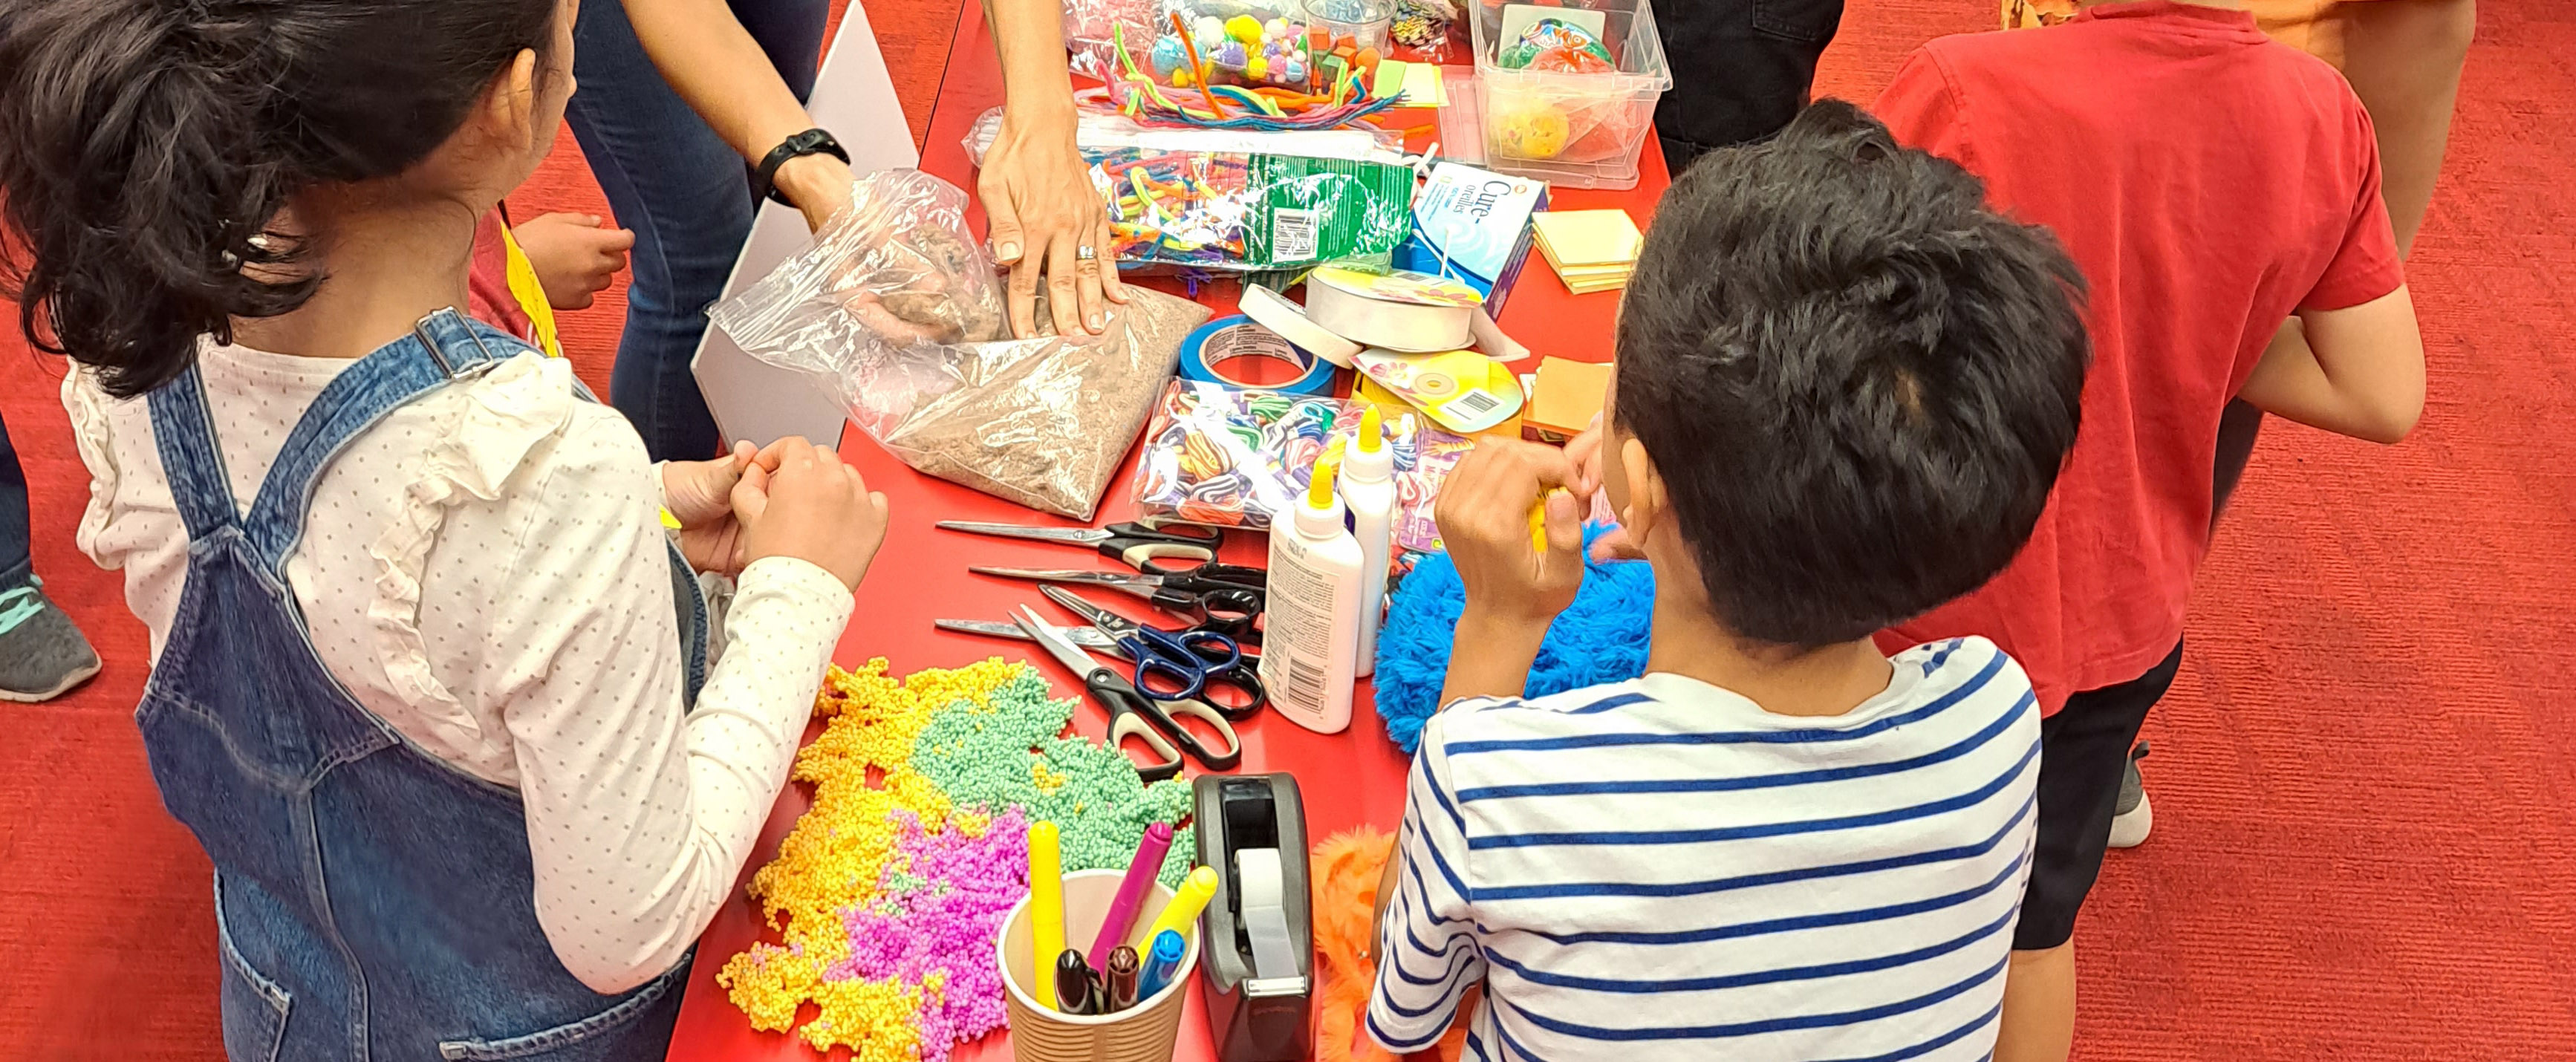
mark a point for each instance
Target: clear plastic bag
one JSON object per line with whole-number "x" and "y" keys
{"x": 1227, "y": 458}
{"x": 1262, "y": 43}
{"x": 897, "y": 310}
{"x": 1207, "y": 199}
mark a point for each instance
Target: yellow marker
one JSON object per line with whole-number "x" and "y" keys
{"x": 1046, "y": 910}
{"x": 1183, "y": 911}
{"x": 1538, "y": 521}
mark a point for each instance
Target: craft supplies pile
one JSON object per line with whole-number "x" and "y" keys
{"x": 968, "y": 862}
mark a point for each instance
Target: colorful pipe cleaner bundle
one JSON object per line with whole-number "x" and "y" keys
{"x": 890, "y": 891}
{"x": 1342, "y": 100}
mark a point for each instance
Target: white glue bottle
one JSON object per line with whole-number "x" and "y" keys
{"x": 1368, "y": 488}
{"x": 1312, "y": 639}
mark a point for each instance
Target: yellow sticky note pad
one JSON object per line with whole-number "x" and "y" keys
{"x": 1588, "y": 237}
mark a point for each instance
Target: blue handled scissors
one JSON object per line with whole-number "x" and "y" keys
{"x": 1194, "y": 663}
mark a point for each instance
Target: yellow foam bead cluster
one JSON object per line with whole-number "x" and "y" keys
{"x": 838, "y": 851}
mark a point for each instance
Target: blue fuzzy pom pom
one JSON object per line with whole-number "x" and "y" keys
{"x": 1167, "y": 56}
{"x": 1601, "y": 638}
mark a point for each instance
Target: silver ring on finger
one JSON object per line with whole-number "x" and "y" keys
{"x": 1084, "y": 253}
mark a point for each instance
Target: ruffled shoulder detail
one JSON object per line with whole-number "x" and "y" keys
{"x": 486, "y": 428}
{"x": 95, "y": 438}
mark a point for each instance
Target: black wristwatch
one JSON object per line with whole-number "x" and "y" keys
{"x": 809, "y": 142}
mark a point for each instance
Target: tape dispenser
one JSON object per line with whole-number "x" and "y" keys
{"x": 1258, "y": 935}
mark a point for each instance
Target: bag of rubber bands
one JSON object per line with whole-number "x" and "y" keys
{"x": 897, "y": 311}
{"x": 1239, "y": 201}
{"x": 1221, "y": 457}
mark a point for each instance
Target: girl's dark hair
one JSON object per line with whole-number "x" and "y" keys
{"x": 147, "y": 145}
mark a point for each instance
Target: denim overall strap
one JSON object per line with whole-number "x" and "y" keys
{"x": 183, "y": 430}
{"x": 442, "y": 347}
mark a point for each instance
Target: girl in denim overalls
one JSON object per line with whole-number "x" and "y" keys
{"x": 473, "y": 756}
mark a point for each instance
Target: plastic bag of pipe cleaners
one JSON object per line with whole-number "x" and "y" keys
{"x": 1204, "y": 199}
{"x": 897, "y": 311}
{"x": 1223, "y": 457}
{"x": 1261, "y": 43}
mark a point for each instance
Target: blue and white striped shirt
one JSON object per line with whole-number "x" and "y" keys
{"x": 1660, "y": 869}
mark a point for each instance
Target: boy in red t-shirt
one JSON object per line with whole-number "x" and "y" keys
{"x": 2211, "y": 183}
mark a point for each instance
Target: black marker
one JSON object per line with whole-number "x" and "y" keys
{"x": 1074, "y": 984}
{"x": 1121, "y": 977}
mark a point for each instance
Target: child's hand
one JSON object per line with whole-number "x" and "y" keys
{"x": 1584, "y": 451}
{"x": 699, "y": 494}
{"x": 1484, "y": 519}
{"x": 798, "y": 500}
{"x": 574, "y": 257}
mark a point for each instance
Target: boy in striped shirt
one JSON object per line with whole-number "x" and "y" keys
{"x": 1844, "y": 392}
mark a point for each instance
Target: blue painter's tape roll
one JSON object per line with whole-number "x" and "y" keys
{"x": 1227, "y": 338}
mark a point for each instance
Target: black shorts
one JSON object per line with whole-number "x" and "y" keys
{"x": 2083, "y": 751}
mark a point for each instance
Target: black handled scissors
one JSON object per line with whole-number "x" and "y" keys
{"x": 1134, "y": 545}
{"x": 1225, "y": 598}
{"x": 1131, "y": 713}
{"x": 1192, "y": 662}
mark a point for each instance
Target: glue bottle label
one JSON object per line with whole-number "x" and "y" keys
{"x": 1309, "y": 647}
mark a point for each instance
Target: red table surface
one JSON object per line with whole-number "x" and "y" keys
{"x": 1348, "y": 779}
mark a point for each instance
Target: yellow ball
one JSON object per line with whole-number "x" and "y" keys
{"x": 1181, "y": 78}
{"x": 1538, "y": 132}
{"x": 1257, "y": 69}
{"x": 1244, "y": 28}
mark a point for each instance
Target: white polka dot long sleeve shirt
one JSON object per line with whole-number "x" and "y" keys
{"x": 485, "y": 570}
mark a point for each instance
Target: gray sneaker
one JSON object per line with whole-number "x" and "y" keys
{"x": 2133, "y": 816}
{"x": 42, "y": 655}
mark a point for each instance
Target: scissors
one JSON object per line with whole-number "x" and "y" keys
{"x": 1242, "y": 677}
{"x": 1225, "y": 598}
{"x": 1131, "y": 713}
{"x": 1192, "y": 661}
{"x": 1134, "y": 545}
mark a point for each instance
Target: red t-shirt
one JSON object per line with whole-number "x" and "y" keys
{"x": 2209, "y": 182}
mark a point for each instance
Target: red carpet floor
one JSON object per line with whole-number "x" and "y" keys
{"x": 2363, "y": 847}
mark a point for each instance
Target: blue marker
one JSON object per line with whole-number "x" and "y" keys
{"x": 1159, "y": 968}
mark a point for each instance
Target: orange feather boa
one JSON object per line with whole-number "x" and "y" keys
{"x": 1344, "y": 875}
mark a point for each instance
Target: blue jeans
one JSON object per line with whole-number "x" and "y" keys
{"x": 685, "y": 193}
{"x": 15, "y": 565}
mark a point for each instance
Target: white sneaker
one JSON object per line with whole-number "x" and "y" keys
{"x": 2134, "y": 816}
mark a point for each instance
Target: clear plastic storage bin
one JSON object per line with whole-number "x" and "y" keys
{"x": 1572, "y": 130}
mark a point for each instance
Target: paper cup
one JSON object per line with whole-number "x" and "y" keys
{"x": 1141, "y": 1033}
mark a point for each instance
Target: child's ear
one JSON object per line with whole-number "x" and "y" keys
{"x": 510, "y": 106}
{"x": 1647, "y": 503}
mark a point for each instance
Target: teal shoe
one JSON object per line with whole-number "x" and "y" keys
{"x": 42, "y": 655}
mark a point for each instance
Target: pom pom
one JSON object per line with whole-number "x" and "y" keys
{"x": 1244, "y": 28}
{"x": 1601, "y": 638}
{"x": 1168, "y": 55}
{"x": 1209, "y": 29}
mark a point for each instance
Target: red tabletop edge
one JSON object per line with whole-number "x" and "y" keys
{"x": 1349, "y": 779}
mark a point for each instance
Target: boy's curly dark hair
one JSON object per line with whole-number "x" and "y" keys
{"x": 1857, "y": 381}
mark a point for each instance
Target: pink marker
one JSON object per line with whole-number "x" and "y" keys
{"x": 1131, "y": 891}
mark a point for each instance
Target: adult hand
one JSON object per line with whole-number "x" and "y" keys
{"x": 1043, "y": 213}
{"x": 1484, "y": 519}
{"x": 699, "y": 494}
{"x": 798, "y": 500}
{"x": 575, "y": 256}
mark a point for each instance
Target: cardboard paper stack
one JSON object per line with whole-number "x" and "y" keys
{"x": 1591, "y": 250}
